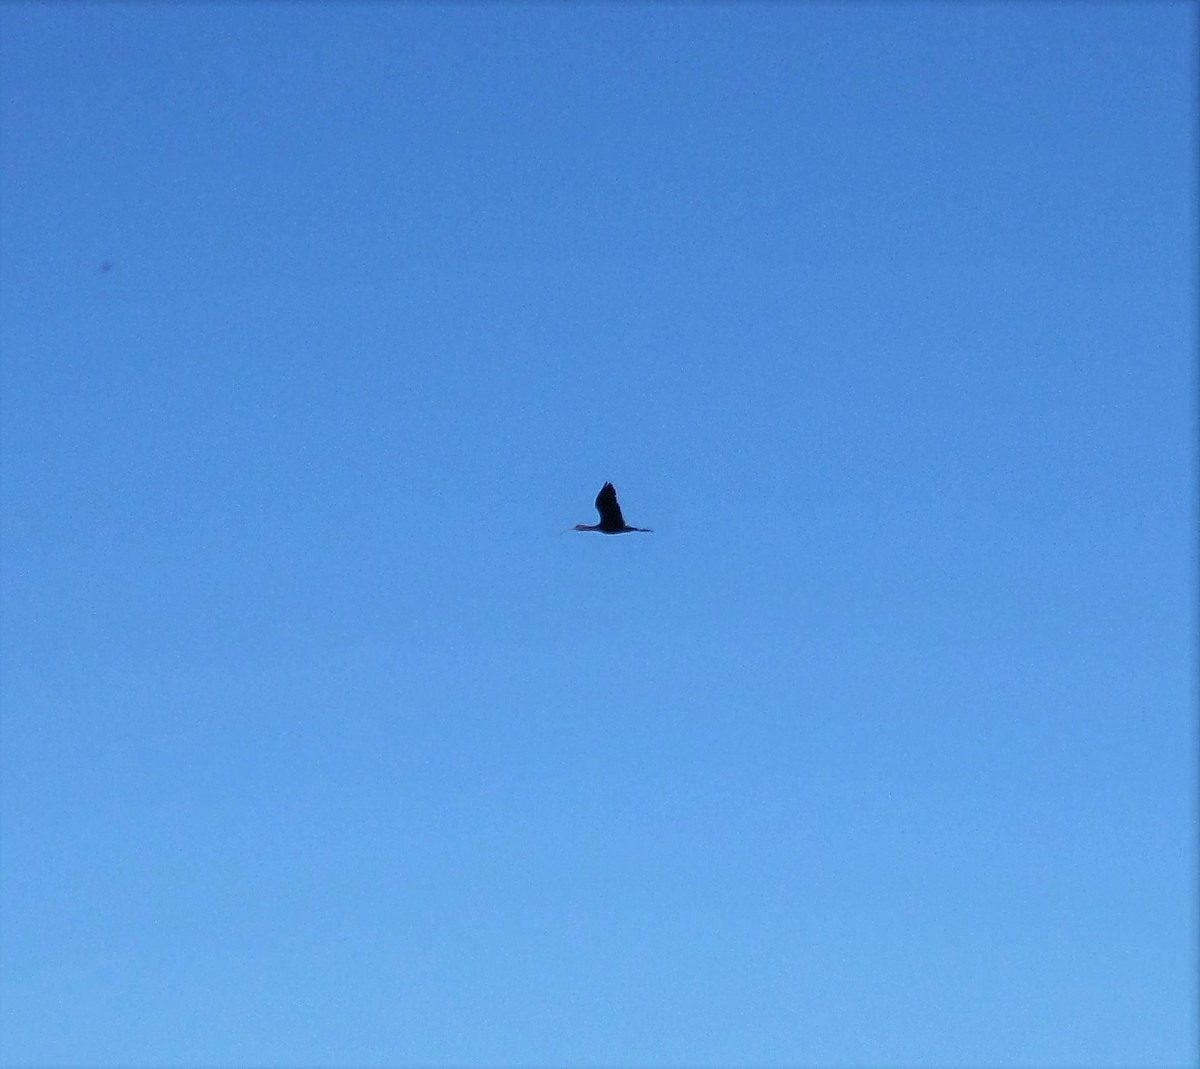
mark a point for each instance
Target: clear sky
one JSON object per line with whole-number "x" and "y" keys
{"x": 323, "y": 746}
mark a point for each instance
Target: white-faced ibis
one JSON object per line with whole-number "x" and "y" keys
{"x": 611, "y": 520}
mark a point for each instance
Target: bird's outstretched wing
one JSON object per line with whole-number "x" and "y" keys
{"x": 610, "y": 511}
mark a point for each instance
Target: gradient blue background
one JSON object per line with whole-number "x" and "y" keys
{"x": 322, "y": 746}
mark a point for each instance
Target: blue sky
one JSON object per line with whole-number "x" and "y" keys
{"x": 321, "y": 745}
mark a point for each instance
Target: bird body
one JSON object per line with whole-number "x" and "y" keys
{"x": 611, "y": 520}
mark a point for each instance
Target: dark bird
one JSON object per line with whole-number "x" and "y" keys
{"x": 611, "y": 520}
{"x": 106, "y": 266}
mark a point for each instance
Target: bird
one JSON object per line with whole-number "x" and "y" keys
{"x": 611, "y": 520}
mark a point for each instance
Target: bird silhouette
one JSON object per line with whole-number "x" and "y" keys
{"x": 611, "y": 520}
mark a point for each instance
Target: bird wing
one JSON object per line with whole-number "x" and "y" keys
{"x": 606, "y": 505}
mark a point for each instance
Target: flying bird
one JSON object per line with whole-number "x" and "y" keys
{"x": 611, "y": 520}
